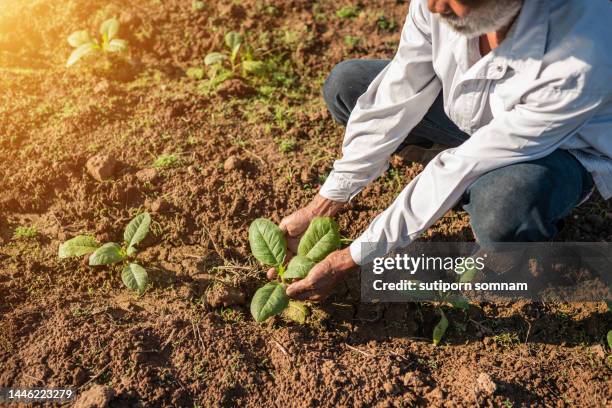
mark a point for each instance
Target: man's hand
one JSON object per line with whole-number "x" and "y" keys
{"x": 294, "y": 225}
{"x": 323, "y": 277}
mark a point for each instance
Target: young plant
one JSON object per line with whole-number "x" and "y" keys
{"x": 269, "y": 247}
{"x": 134, "y": 276}
{"x": 235, "y": 60}
{"x": 85, "y": 45}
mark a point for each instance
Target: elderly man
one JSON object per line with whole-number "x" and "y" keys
{"x": 518, "y": 92}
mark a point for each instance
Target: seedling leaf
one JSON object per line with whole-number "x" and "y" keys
{"x": 107, "y": 254}
{"x": 116, "y": 45}
{"x": 109, "y": 29}
{"x": 79, "y": 53}
{"x": 78, "y": 38}
{"x": 320, "y": 239}
{"x": 214, "y": 58}
{"x": 135, "y": 277}
{"x": 136, "y": 231}
{"x": 253, "y": 67}
{"x": 78, "y": 246}
{"x": 468, "y": 275}
{"x": 296, "y": 311}
{"x": 268, "y": 301}
{"x": 233, "y": 41}
{"x": 267, "y": 241}
{"x": 440, "y": 328}
{"x": 298, "y": 267}
{"x": 459, "y": 302}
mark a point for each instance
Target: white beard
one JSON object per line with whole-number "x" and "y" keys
{"x": 489, "y": 17}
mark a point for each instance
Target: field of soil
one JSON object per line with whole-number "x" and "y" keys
{"x": 206, "y": 162}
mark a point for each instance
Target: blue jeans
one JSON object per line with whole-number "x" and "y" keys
{"x": 521, "y": 202}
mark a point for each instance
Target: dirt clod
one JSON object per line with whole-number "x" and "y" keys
{"x": 97, "y": 396}
{"x": 101, "y": 167}
{"x": 225, "y": 295}
{"x": 485, "y": 384}
{"x": 158, "y": 205}
{"x": 146, "y": 175}
{"x": 232, "y": 163}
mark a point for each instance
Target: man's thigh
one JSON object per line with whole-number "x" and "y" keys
{"x": 525, "y": 201}
{"x": 350, "y": 79}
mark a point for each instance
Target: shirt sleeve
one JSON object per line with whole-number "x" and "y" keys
{"x": 394, "y": 103}
{"x": 544, "y": 120}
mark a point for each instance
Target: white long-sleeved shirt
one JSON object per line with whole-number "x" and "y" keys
{"x": 548, "y": 86}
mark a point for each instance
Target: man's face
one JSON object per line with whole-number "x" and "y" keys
{"x": 475, "y": 17}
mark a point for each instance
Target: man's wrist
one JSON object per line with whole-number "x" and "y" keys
{"x": 324, "y": 207}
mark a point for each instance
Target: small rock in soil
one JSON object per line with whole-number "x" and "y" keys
{"x": 235, "y": 87}
{"x": 158, "y": 205}
{"x": 146, "y": 175}
{"x": 97, "y": 396}
{"x": 389, "y": 387}
{"x": 486, "y": 385}
{"x": 223, "y": 295}
{"x": 232, "y": 163}
{"x": 101, "y": 167}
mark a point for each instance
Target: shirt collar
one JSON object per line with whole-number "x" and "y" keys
{"x": 522, "y": 50}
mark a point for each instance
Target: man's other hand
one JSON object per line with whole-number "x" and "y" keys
{"x": 323, "y": 277}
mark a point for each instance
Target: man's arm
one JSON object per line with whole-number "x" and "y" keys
{"x": 394, "y": 103}
{"x": 531, "y": 130}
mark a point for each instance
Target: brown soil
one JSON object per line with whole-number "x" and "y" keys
{"x": 65, "y": 324}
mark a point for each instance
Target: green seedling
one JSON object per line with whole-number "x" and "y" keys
{"x": 236, "y": 60}
{"x": 107, "y": 43}
{"x": 351, "y": 41}
{"x": 456, "y": 301}
{"x": 348, "y": 12}
{"x": 269, "y": 247}
{"x": 134, "y": 276}
{"x": 23, "y": 232}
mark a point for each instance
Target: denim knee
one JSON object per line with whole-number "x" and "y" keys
{"x": 336, "y": 90}
{"x": 511, "y": 208}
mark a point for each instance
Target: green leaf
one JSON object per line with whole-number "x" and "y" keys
{"x": 214, "y": 58}
{"x": 468, "y": 275}
{"x": 459, "y": 302}
{"x": 267, "y": 241}
{"x": 296, "y": 311}
{"x": 135, "y": 277}
{"x": 195, "y": 73}
{"x": 78, "y": 38}
{"x": 109, "y": 29}
{"x": 610, "y": 339}
{"x": 268, "y": 301}
{"x": 253, "y": 67}
{"x": 233, "y": 40}
{"x": 298, "y": 267}
{"x": 78, "y": 246}
{"x": 79, "y": 53}
{"x": 116, "y": 45}
{"x": 320, "y": 239}
{"x": 440, "y": 329}
{"x": 107, "y": 254}
{"x": 136, "y": 230}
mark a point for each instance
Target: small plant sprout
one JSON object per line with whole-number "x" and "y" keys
{"x": 235, "y": 60}
{"x": 269, "y": 247}
{"x": 85, "y": 45}
{"x": 134, "y": 276}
